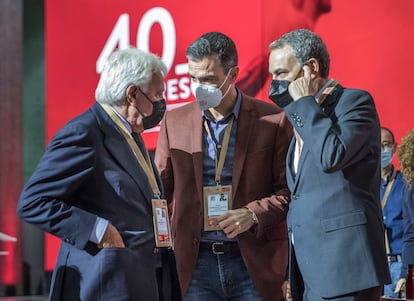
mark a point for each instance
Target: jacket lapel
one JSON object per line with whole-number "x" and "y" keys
{"x": 196, "y": 127}
{"x": 328, "y": 107}
{"x": 332, "y": 99}
{"x": 290, "y": 176}
{"x": 302, "y": 158}
{"x": 119, "y": 148}
{"x": 244, "y": 132}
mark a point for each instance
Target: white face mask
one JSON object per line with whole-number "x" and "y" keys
{"x": 207, "y": 96}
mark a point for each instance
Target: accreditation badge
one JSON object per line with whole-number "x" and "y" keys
{"x": 162, "y": 227}
{"x": 217, "y": 201}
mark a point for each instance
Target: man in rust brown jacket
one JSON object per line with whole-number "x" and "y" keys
{"x": 222, "y": 163}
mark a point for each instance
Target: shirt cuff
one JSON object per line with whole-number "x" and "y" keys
{"x": 98, "y": 230}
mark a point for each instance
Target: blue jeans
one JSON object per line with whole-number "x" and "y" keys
{"x": 395, "y": 269}
{"x": 221, "y": 277}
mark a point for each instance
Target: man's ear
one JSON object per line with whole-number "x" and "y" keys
{"x": 130, "y": 93}
{"x": 314, "y": 66}
{"x": 394, "y": 148}
{"x": 235, "y": 73}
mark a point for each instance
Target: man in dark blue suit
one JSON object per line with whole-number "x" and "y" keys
{"x": 333, "y": 172}
{"x": 94, "y": 189}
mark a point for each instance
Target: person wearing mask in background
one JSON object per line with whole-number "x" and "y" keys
{"x": 391, "y": 196}
{"x": 333, "y": 172}
{"x": 406, "y": 158}
{"x": 96, "y": 188}
{"x": 225, "y": 143}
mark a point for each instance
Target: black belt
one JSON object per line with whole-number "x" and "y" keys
{"x": 394, "y": 258}
{"x": 220, "y": 247}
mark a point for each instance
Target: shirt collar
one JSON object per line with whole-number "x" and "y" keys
{"x": 124, "y": 121}
{"x": 389, "y": 174}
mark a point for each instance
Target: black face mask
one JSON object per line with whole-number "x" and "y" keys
{"x": 279, "y": 93}
{"x": 158, "y": 110}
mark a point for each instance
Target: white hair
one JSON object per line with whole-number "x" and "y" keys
{"x": 124, "y": 68}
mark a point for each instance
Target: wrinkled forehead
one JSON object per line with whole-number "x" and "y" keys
{"x": 282, "y": 58}
{"x": 207, "y": 67}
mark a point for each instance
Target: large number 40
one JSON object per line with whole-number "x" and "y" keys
{"x": 120, "y": 36}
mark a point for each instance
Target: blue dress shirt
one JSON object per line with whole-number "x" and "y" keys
{"x": 392, "y": 212}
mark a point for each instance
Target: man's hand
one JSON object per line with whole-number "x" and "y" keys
{"x": 111, "y": 238}
{"x": 305, "y": 85}
{"x": 236, "y": 221}
{"x": 287, "y": 293}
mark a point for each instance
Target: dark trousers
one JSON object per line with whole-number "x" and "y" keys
{"x": 167, "y": 278}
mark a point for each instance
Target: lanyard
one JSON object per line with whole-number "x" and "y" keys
{"x": 223, "y": 151}
{"x": 383, "y": 202}
{"x": 144, "y": 162}
{"x": 388, "y": 189}
{"x": 327, "y": 91}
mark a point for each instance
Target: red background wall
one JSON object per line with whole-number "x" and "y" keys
{"x": 371, "y": 47}
{"x": 369, "y": 42}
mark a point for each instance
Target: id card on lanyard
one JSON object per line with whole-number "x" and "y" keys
{"x": 217, "y": 199}
{"x": 162, "y": 227}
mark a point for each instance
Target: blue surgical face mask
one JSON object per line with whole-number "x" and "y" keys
{"x": 386, "y": 157}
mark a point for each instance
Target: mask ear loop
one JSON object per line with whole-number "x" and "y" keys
{"x": 145, "y": 95}
{"x": 228, "y": 89}
{"x": 227, "y": 75}
{"x": 139, "y": 104}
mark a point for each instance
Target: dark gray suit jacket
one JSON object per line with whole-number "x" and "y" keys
{"x": 334, "y": 215}
{"x": 87, "y": 171}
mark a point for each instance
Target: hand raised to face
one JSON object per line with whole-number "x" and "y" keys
{"x": 308, "y": 84}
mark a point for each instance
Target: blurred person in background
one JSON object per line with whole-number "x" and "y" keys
{"x": 391, "y": 197}
{"x": 406, "y": 158}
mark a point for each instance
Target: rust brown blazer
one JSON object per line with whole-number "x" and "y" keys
{"x": 262, "y": 139}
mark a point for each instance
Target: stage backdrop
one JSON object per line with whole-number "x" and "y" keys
{"x": 369, "y": 42}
